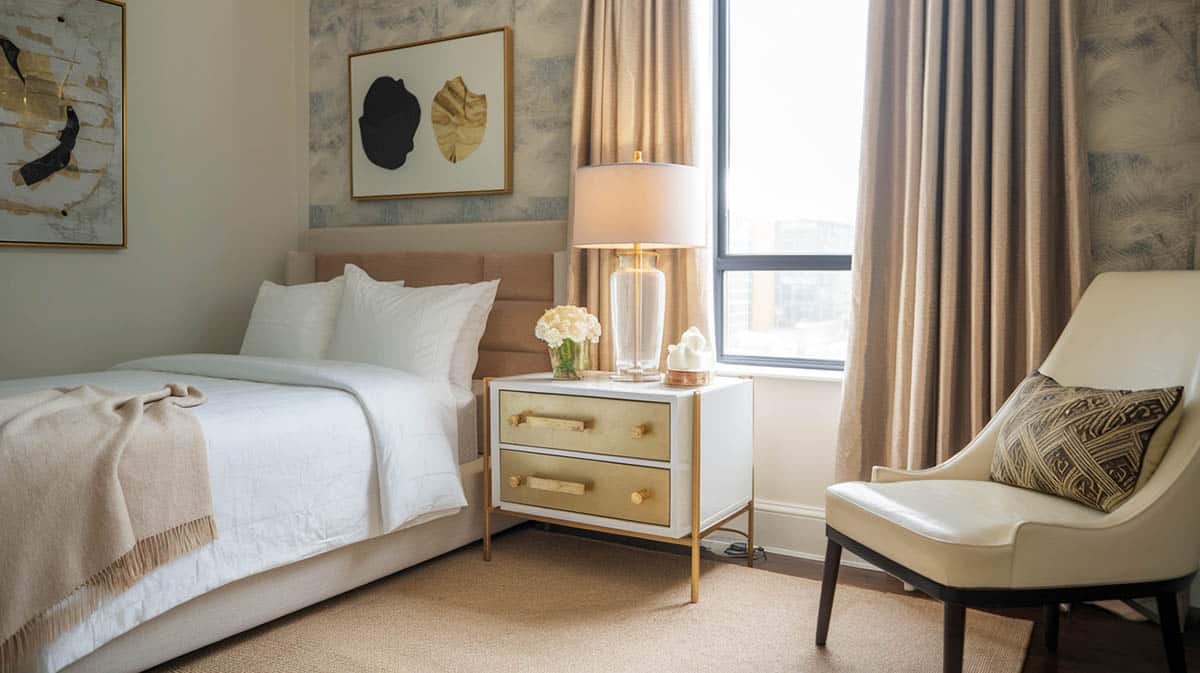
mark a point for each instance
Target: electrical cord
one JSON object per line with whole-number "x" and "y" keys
{"x": 738, "y": 549}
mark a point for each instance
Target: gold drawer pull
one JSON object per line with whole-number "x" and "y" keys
{"x": 641, "y": 495}
{"x": 640, "y": 430}
{"x": 552, "y": 485}
{"x": 568, "y": 424}
{"x": 567, "y": 487}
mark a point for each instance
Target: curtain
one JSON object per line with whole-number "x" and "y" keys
{"x": 973, "y": 244}
{"x": 642, "y": 82}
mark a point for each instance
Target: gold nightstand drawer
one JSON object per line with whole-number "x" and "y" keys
{"x": 612, "y": 490}
{"x": 606, "y": 426}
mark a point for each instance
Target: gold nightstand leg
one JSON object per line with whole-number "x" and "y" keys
{"x": 695, "y": 568}
{"x": 750, "y": 536}
{"x": 487, "y": 535}
{"x": 750, "y": 526}
{"x": 696, "y": 496}
{"x": 487, "y": 469}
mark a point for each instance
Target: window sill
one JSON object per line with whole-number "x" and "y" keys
{"x": 786, "y": 373}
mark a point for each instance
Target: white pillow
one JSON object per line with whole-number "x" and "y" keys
{"x": 293, "y": 321}
{"x": 407, "y": 328}
{"x": 466, "y": 350}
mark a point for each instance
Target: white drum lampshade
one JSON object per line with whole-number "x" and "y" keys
{"x": 632, "y": 206}
{"x": 650, "y": 204}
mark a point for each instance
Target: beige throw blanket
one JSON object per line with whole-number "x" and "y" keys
{"x": 96, "y": 490}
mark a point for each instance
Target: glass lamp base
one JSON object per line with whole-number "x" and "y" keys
{"x": 636, "y": 376}
{"x": 638, "y": 302}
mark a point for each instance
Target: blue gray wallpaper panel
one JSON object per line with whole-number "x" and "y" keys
{"x": 543, "y": 69}
{"x": 1142, "y": 119}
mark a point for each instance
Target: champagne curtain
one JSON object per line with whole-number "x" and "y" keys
{"x": 642, "y": 82}
{"x": 973, "y": 244}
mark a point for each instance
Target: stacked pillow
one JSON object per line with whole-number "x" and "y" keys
{"x": 433, "y": 332}
{"x": 293, "y": 322}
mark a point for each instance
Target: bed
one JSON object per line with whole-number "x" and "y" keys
{"x": 296, "y": 487}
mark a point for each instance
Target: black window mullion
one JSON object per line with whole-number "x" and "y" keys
{"x": 783, "y": 262}
{"x": 720, "y": 165}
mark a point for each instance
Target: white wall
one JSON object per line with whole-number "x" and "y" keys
{"x": 215, "y": 174}
{"x": 795, "y": 436}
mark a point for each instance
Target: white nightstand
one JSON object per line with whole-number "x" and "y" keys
{"x": 619, "y": 457}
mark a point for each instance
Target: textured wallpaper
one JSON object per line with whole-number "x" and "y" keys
{"x": 543, "y": 69}
{"x": 1142, "y": 126}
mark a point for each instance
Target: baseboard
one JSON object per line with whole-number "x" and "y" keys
{"x": 787, "y": 529}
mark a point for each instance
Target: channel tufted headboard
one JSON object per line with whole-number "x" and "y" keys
{"x": 530, "y": 282}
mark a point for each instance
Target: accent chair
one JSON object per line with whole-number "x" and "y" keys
{"x": 970, "y": 542}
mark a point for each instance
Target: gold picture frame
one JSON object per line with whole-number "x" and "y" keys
{"x": 433, "y": 164}
{"x": 120, "y": 136}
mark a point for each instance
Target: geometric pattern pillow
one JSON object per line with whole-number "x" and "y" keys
{"x": 1085, "y": 444}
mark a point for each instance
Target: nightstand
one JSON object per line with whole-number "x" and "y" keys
{"x": 635, "y": 459}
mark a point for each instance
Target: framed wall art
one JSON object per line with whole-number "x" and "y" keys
{"x": 432, "y": 118}
{"x": 62, "y": 123}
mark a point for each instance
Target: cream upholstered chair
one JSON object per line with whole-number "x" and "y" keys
{"x": 971, "y": 542}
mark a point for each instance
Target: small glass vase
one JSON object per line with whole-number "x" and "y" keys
{"x": 569, "y": 360}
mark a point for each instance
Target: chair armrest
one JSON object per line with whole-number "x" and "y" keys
{"x": 961, "y": 466}
{"x": 881, "y": 474}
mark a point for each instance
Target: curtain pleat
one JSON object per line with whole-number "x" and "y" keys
{"x": 972, "y": 245}
{"x": 639, "y": 85}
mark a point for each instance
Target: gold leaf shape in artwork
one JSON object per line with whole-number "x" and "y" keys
{"x": 459, "y": 119}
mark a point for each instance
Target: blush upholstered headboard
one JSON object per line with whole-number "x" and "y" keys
{"x": 523, "y": 255}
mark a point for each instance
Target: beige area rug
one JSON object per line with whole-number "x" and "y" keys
{"x": 549, "y": 602}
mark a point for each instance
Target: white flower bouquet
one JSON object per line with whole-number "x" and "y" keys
{"x": 568, "y": 330}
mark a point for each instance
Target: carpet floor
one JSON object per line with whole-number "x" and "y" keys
{"x": 549, "y": 602}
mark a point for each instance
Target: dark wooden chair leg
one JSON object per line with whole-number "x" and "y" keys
{"x": 833, "y": 561}
{"x": 1168, "y": 618}
{"x": 953, "y": 630}
{"x": 1051, "y": 614}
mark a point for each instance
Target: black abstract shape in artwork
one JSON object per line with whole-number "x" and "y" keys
{"x": 56, "y": 159}
{"x": 11, "y": 52}
{"x": 388, "y": 123}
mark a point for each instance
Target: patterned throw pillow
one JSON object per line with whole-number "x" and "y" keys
{"x": 1085, "y": 444}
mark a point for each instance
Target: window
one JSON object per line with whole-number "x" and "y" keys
{"x": 789, "y": 118}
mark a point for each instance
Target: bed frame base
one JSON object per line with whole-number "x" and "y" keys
{"x": 258, "y": 599}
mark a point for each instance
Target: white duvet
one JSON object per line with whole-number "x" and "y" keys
{"x": 304, "y": 457}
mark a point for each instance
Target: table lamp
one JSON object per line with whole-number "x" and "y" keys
{"x": 634, "y": 208}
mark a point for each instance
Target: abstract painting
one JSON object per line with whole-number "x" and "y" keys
{"x": 62, "y": 123}
{"x": 432, "y": 118}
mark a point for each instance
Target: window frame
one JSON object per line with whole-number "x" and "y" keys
{"x": 723, "y": 261}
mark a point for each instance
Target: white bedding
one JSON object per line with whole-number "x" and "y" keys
{"x": 297, "y": 454}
